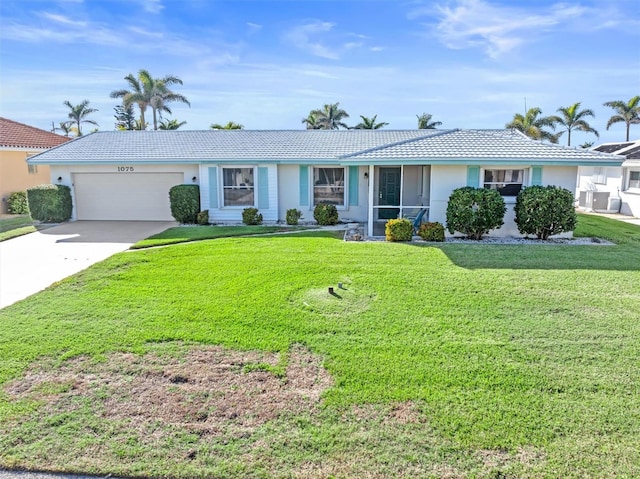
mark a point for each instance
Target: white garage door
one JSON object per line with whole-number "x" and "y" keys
{"x": 130, "y": 196}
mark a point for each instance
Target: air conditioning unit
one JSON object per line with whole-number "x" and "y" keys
{"x": 594, "y": 200}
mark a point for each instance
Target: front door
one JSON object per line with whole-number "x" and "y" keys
{"x": 389, "y": 192}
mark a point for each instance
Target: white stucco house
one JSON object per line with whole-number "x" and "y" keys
{"x": 613, "y": 189}
{"x": 370, "y": 175}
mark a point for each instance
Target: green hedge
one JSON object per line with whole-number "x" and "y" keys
{"x": 17, "y": 203}
{"x": 325, "y": 214}
{"x": 50, "y": 203}
{"x": 431, "y": 231}
{"x": 545, "y": 211}
{"x": 398, "y": 230}
{"x": 475, "y": 211}
{"x": 250, "y": 216}
{"x": 185, "y": 203}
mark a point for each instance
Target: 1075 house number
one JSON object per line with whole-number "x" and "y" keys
{"x": 125, "y": 168}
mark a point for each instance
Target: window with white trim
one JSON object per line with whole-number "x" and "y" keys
{"x": 634, "y": 180}
{"x": 328, "y": 185}
{"x": 599, "y": 175}
{"x": 507, "y": 182}
{"x": 33, "y": 169}
{"x": 238, "y": 186}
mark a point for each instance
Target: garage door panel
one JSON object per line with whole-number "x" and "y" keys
{"x": 131, "y": 196}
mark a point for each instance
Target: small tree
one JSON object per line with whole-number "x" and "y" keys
{"x": 185, "y": 203}
{"x": 545, "y": 211}
{"x": 475, "y": 211}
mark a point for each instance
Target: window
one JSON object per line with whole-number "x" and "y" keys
{"x": 328, "y": 186}
{"x": 507, "y": 182}
{"x": 237, "y": 184}
{"x": 600, "y": 175}
{"x": 634, "y": 179}
{"x": 33, "y": 169}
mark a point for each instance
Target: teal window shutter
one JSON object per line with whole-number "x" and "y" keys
{"x": 473, "y": 176}
{"x": 213, "y": 187}
{"x": 536, "y": 176}
{"x": 263, "y": 188}
{"x": 304, "y": 185}
{"x": 353, "y": 185}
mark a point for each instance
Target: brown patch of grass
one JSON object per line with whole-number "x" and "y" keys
{"x": 203, "y": 390}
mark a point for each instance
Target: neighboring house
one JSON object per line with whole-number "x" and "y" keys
{"x": 370, "y": 175}
{"x": 17, "y": 143}
{"x": 613, "y": 189}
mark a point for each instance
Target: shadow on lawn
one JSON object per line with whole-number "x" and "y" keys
{"x": 552, "y": 257}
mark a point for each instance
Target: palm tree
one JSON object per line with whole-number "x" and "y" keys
{"x": 311, "y": 121}
{"x": 136, "y": 95}
{"x": 370, "y": 123}
{"x": 66, "y": 127}
{"x": 78, "y": 114}
{"x": 150, "y": 92}
{"x": 573, "y": 119}
{"x": 172, "y": 124}
{"x": 533, "y": 125}
{"x": 587, "y": 144}
{"x": 329, "y": 117}
{"x": 629, "y": 112}
{"x": 229, "y": 126}
{"x": 425, "y": 123}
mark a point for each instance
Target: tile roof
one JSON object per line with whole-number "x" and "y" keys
{"x": 19, "y": 135}
{"x": 291, "y": 145}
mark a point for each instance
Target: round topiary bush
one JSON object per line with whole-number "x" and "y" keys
{"x": 545, "y": 211}
{"x": 400, "y": 229}
{"x": 250, "y": 216}
{"x": 293, "y": 216}
{"x": 202, "y": 218}
{"x": 475, "y": 211}
{"x": 431, "y": 231}
{"x": 325, "y": 214}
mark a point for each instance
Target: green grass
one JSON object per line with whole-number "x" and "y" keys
{"x": 14, "y": 226}
{"x": 522, "y": 361}
{"x": 183, "y": 234}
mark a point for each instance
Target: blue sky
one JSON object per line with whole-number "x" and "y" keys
{"x": 266, "y": 64}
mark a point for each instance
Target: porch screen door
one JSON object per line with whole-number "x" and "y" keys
{"x": 389, "y": 192}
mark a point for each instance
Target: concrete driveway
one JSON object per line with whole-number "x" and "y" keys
{"x": 30, "y": 263}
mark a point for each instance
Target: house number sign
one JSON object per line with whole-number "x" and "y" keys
{"x": 125, "y": 168}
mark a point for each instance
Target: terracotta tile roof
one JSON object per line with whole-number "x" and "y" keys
{"x": 19, "y": 135}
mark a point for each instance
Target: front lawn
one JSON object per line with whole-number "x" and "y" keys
{"x": 455, "y": 360}
{"x": 13, "y": 226}
{"x": 184, "y": 234}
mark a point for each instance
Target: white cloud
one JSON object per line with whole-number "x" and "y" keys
{"x": 152, "y": 6}
{"x": 254, "y": 27}
{"x": 495, "y": 29}
{"x": 305, "y": 37}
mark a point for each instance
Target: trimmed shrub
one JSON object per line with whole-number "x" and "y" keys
{"x": 202, "y": 218}
{"x": 293, "y": 216}
{"x": 545, "y": 211}
{"x": 475, "y": 211}
{"x": 185, "y": 203}
{"x": 250, "y": 216}
{"x": 325, "y": 214}
{"x": 400, "y": 229}
{"x": 50, "y": 203}
{"x": 17, "y": 203}
{"x": 431, "y": 231}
